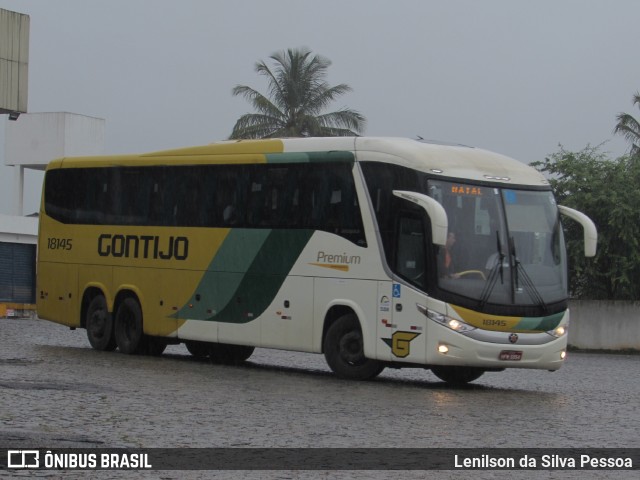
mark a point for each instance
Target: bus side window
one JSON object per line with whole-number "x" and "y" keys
{"x": 306, "y": 199}
{"x": 229, "y": 199}
{"x": 60, "y": 194}
{"x": 208, "y": 191}
{"x": 84, "y": 183}
{"x": 257, "y": 199}
{"x": 278, "y": 197}
{"x": 188, "y": 209}
{"x": 410, "y": 249}
{"x": 332, "y": 201}
{"x": 134, "y": 186}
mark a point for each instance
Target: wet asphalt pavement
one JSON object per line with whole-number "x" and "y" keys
{"x": 56, "y": 392}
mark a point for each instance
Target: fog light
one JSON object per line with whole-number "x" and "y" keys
{"x": 443, "y": 349}
{"x": 563, "y": 355}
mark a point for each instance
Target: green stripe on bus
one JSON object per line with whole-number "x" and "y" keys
{"x": 541, "y": 324}
{"x": 310, "y": 157}
{"x": 245, "y": 275}
{"x": 265, "y": 276}
{"x": 224, "y": 274}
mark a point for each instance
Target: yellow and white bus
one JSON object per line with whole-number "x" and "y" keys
{"x": 340, "y": 246}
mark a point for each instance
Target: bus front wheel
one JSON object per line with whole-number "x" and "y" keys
{"x": 344, "y": 350}
{"x": 99, "y": 325}
{"x": 457, "y": 375}
{"x": 128, "y": 327}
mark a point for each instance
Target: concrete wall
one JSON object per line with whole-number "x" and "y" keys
{"x": 604, "y": 325}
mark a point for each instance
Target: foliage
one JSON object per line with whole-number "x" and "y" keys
{"x": 607, "y": 191}
{"x": 297, "y": 96}
{"x": 629, "y": 128}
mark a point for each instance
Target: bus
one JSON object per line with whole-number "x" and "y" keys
{"x": 376, "y": 252}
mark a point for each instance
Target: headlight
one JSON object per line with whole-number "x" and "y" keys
{"x": 559, "y": 331}
{"x": 452, "y": 323}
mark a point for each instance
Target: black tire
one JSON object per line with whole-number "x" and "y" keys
{"x": 128, "y": 327}
{"x": 226, "y": 354}
{"x": 457, "y": 375}
{"x": 197, "y": 349}
{"x": 344, "y": 351}
{"x": 99, "y": 325}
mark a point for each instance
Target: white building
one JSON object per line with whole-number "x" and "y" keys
{"x": 31, "y": 141}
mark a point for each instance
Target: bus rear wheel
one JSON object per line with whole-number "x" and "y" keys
{"x": 128, "y": 327}
{"x": 457, "y": 375}
{"x": 99, "y": 325}
{"x": 344, "y": 351}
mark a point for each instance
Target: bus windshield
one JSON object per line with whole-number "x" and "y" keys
{"x": 504, "y": 246}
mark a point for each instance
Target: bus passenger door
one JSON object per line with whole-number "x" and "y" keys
{"x": 404, "y": 324}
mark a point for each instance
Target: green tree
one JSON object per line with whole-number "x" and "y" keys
{"x": 629, "y": 127}
{"x": 607, "y": 191}
{"x": 297, "y": 96}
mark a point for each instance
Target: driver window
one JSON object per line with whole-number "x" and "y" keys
{"x": 410, "y": 251}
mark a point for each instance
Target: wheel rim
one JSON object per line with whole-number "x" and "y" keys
{"x": 98, "y": 323}
{"x": 129, "y": 324}
{"x": 351, "y": 348}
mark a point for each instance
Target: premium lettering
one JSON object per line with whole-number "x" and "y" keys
{"x": 338, "y": 258}
{"x": 143, "y": 246}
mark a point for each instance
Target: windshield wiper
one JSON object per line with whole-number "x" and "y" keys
{"x": 529, "y": 286}
{"x": 493, "y": 275}
{"x": 513, "y": 269}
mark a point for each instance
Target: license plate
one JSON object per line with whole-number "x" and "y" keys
{"x": 510, "y": 355}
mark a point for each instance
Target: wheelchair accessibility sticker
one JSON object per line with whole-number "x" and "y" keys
{"x": 396, "y": 290}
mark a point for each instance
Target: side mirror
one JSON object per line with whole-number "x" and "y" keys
{"x": 437, "y": 214}
{"x": 590, "y": 230}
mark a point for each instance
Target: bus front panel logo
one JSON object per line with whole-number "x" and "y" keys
{"x": 400, "y": 343}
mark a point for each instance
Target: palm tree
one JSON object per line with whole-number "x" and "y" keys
{"x": 629, "y": 127}
{"x": 297, "y": 95}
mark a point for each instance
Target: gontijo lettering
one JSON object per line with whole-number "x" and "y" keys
{"x": 143, "y": 246}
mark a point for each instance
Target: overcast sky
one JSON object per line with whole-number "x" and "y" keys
{"x": 516, "y": 77}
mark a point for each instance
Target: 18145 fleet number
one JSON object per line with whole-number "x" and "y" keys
{"x": 59, "y": 243}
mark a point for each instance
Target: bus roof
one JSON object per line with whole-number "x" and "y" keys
{"x": 449, "y": 161}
